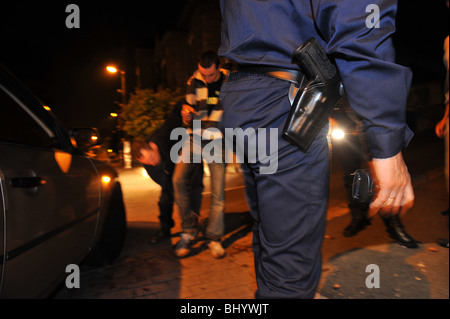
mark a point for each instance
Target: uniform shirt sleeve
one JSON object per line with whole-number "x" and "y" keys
{"x": 377, "y": 87}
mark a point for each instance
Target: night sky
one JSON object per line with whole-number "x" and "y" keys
{"x": 65, "y": 67}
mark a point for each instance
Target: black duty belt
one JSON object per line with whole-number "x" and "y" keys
{"x": 293, "y": 76}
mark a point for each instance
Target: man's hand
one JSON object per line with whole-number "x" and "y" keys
{"x": 440, "y": 127}
{"x": 396, "y": 194}
{"x": 187, "y": 113}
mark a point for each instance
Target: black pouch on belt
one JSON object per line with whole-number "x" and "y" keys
{"x": 313, "y": 103}
{"x": 363, "y": 186}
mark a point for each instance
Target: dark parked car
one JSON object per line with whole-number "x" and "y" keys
{"x": 58, "y": 207}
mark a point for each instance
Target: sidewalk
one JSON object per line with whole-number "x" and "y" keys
{"x": 421, "y": 273}
{"x": 146, "y": 271}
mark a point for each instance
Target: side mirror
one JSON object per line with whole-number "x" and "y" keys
{"x": 85, "y": 138}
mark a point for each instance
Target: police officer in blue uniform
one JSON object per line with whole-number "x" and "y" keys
{"x": 289, "y": 205}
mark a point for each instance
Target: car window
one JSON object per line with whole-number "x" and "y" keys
{"x": 17, "y": 125}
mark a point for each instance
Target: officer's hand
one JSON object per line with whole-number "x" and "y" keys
{"x": 440, "y": 128}
{"x": 396, "y": 194}
{"x": 187, "y": 113}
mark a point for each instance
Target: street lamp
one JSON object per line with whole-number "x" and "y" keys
{"x": 123, "y": 90}
{"x": 111, "y": 69}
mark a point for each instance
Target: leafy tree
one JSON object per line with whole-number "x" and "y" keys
{"x": 146, "y": 110}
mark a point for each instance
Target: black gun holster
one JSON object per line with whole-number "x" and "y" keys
{"x": 313, "y": 103}
{"x": 363, "y": 186}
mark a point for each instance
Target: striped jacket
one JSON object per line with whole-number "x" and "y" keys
{"x": 197, "y": 96}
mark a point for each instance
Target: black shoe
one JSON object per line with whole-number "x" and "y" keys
{"x": 397, "y": 232}
{"x": 162, "y": 235}
{"x": 356, "y": 225}
{"x": 443, "y": 242}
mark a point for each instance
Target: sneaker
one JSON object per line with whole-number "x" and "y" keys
{"x": 184, "y": 245}
{"x": 216, "y": 249}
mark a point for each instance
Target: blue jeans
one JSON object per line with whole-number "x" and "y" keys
{"x": 181, "y": 178}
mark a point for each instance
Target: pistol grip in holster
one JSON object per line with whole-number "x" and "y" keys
{"x": 313, "y": 103}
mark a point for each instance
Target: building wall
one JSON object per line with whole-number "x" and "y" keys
{"x": 175, "y": 56}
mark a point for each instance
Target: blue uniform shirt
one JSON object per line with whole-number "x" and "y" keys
{"x": 266, "y": 32}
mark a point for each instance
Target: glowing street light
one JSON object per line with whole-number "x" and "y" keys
{"x": 123, "y": 90}
{"x": 111, "y": 69}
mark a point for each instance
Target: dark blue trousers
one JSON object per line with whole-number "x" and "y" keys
{"x": 288, "y": 205}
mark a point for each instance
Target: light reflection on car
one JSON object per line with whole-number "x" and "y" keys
{"x": 57, "y": 206}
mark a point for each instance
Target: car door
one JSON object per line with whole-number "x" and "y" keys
{"x": 2, "y": 231}
{"x": 50, "y": 200}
